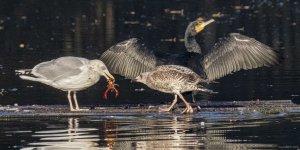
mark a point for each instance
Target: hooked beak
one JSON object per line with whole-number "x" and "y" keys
{"x": 201, "y": 25}
{"x": 108, "y": 76}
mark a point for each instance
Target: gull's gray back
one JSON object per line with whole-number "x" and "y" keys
{"x": 60, "y": 68}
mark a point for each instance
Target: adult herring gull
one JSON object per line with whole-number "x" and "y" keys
{"x": 69, "y": 73}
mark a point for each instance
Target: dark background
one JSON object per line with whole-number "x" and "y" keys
{"x": 33, "y": 31}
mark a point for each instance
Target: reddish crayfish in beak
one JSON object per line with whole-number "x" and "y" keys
{"x": 111, "y": 86}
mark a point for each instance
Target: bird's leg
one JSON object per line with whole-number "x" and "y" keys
{"x": 70, "y": 101}
{"x": 188, "y": 108}
{"x": 75, "y": 100}
{"x": 172, "y": 105}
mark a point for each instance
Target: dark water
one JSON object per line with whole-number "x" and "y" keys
{"x": 33, "y": 31}
{"x": 205, "y": 130}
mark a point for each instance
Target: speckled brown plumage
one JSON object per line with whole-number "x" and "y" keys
{"x": 173, "y": 79}
{"x": 170, "y": 78}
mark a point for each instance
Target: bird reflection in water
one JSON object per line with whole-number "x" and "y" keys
{"x": 157, "y": 131}
{"x": 73, "y": 137}
{"x": 175, "y": 136}
{"x": 173, "y": 132}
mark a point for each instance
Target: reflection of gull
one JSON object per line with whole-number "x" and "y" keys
{"x": 157, "y": 133}
{"x": 184, "y": 132}
{"x": 176, "y": 136}
{"x": 71, "y": 138}
{"x": 68, "y": 74}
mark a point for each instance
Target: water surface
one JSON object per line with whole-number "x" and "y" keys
{"x": 204, "y": 130}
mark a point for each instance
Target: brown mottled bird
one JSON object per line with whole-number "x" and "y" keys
{"x": 174, "y": 79}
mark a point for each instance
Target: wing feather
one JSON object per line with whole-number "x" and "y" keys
{"x": 235, "y": 53}
{"x": 59, "y": 68}
{"x": 129, "y": 58}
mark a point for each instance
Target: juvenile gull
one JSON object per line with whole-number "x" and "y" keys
{"x": 174, "y": 79}
{"x": 69, "y": 73}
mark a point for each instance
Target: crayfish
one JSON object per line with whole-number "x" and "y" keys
{"x": 111, "y": 86}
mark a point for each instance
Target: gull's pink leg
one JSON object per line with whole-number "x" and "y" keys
{"x": 188, "y": 108}
{"x": 172, "y": 105}
{"x": 75, "y": 100}
{"x": 70, "y": 101}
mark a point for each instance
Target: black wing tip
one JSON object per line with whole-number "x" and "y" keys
{"x": 279, "y": 57}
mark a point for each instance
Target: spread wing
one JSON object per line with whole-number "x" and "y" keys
{"x": 235, "y": 53}
{"x": 60, "y": 68}
{"x": 129, "y": 58}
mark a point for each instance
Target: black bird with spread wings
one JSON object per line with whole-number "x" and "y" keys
{"x": 130, "y": 58}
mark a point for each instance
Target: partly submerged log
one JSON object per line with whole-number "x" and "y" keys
{"x": 261, "y": 106}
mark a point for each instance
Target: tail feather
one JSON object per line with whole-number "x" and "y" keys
{"x": 24, "y": 77}
{"x": 25, "y": 74}
{"x": 206, "y": 90}
{"x": 201, "y": 88}
{"x": 23, "y": 71}
{"x": 30, "y": 78}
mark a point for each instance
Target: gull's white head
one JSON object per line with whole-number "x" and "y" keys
{"x": 99, "y": 67}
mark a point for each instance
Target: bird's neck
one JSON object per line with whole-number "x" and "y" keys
{"x": 191, "y": 43}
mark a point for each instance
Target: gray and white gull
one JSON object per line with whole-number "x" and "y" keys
{"x": 69, "y": 74}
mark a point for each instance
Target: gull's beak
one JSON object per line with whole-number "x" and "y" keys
{"x": 108, "y": 76}
{"x": 201, "y": 24}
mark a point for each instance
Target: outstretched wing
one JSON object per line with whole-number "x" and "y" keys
{"x": 129, "y": 58}
{"x": 235, "y": 53}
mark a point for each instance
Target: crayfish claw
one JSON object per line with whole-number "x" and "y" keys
{"x": 105, "y": 94}
{"x": 111, "y": 87}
